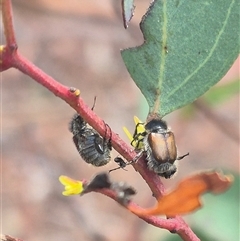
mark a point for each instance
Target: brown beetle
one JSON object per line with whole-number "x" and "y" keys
{"x": 159, "y": 145}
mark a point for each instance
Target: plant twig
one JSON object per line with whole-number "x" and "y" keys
{"x": 19, "y": 62}
{"x": 12, "y": 58}
{"x": 174, "y": 225}
{"x": 7, "y": 17}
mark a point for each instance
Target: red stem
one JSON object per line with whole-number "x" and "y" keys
{"x": 7, "y": 17}
{"x": 175, "y": 225}
{"x": 90, "y": 117}
{"x": 11, "y": 58}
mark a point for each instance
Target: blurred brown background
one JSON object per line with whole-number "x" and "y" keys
{"x": 78, "y": 43}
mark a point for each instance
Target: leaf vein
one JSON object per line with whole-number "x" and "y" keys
{"x": 210, "y": 53}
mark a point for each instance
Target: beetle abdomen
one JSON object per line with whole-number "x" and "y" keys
{"x": 93, "y": 148}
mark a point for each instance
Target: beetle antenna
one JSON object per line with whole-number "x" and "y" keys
{"x": 94, "y": 102}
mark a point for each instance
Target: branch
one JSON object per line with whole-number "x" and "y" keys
{"x": 7, "y": 18}
{"x": 16, "y": 60}
{"x": 10, "y": 57}
{"x": 174, "y": 225}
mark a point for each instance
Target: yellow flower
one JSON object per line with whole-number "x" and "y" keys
{"x": 72, "y": 187}
{"x": 2, "y": 47}
{"x": 136, "y": 141}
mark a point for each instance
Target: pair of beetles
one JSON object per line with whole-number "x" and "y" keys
{"x": 157, "y": 142}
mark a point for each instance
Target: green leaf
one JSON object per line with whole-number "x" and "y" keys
{"x": 188, "y": 47}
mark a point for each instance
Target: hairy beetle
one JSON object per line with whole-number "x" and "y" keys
{"x": 159, "y": 145}
{"x": 93, "y": 148}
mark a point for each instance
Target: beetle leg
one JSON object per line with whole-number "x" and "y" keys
{"x": 181, "y": 157}
{"x": 137, "y": 157}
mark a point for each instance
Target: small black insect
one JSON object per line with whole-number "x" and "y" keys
{"x": 121, "y": 163}
{"x": 93, "y": 148}
{"x": 159, "y": 145}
